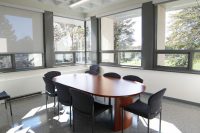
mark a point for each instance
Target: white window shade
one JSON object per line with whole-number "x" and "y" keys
{"x": 21, "y": 31}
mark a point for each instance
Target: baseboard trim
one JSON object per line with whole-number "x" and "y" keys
{"x": 177, "y": 100}
{"x": 25, "y": 96}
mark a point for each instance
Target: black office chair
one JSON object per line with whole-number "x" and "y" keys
{"x": 49, "y": 85}
{"x": 111, "y": 75}
{"x": 94, "y": 70}
{"x": 133, "y": 78}
{"x": 149, "y": 111}
{"x": 52, "y": 74}
{"x": 84, "y": 104}
{"x": 64, "y": 97}
{"x": 6, "y": 97}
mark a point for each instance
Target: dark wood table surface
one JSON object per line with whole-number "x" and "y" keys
{"x": 121, "y": 90}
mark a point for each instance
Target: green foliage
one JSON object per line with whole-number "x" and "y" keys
{"x": 185, "y": 33}
{"x": 76, "y": 34}
{"x": 123, "y": 33}
{"x": 185, "y": 30}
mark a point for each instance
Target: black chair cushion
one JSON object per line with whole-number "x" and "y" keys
{"x": 133, "y": 78}
{"x": 52, "y": 74}
{"x": 64, "y": 96}
{"x": 138, "y": 108}
{"x": 4, "y": 95}
{"x": 94, "y": 70}
{"x": 112, "y": 75}
{"x": 99, "y": 108}
{"x": 50, "y": 87}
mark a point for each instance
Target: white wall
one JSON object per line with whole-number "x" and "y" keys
{"x": 179, "y": 85}
{"x": 26, "y": 82}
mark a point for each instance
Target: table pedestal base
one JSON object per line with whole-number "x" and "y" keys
{"x": 122, "y": 101}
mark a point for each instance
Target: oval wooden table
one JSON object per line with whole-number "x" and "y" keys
{"x": 121, "y": 90}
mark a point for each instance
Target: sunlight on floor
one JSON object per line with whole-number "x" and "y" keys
{"x": 64, "y": 117}
{"x": 18, "y": 129}
{"x": 166, "y": 127}
{"x": 33, "y": 111}
{"x": 29, "y": 120}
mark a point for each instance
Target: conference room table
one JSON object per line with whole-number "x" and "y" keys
{"x": 122, "y": 91}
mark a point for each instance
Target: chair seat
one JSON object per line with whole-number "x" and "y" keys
{"x": 139, "y": 108}
{"x": 99, "y": 108}
{"x": 4, "y": 95}
{"x": 51, "y": 94}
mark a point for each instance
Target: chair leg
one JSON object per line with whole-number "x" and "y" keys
{"x": 93, "y": 124}
{"x": 46, "y": 100}
{"x": 109, "y": 102}
{"x": 5, "y": 105}
{"x": 58, "y": 111}
{"x": 73, "y": 122}
{"x": 10, "y": 108}
{"x": 122, "y": 119}
{"x": 54, "y": 101}
{"x": 160, "y": 121}
{"x": 70, "y": 113}
{"x": 111, "y": 114}
{"x": 148, "y": 126}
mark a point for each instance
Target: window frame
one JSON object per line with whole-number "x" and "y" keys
{"x": 13, "y": 62}
{"x": 189, "y": 53}
{"x": 71, "y": 51}
{"x": 117, "y": 51}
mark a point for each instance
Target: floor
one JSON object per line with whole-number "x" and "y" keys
{"x": 31, "y": 116}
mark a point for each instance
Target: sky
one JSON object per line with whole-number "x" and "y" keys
{"x": 22, "y": 26}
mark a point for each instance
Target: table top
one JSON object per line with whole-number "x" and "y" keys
{"x": 100, "y": 85}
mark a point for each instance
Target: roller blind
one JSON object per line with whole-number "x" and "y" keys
{"x": 21, "y": 31}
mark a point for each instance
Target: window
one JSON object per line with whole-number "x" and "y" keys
{"x": 178, "y": 42}
{"x": 69, "y": 41}
{"x": 88, "y": 42}
{"x": 121, "y": 38}
{"x": 21, "y": 32}
{"x": 5, "y": 62}
{"x": 24, "y": 61}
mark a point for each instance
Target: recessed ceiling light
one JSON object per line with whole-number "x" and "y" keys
{"x": 78, "y": 3}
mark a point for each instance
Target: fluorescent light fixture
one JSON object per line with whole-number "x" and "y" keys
{"x": 78, "y": 3}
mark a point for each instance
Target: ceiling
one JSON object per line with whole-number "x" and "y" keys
{"x": 86, "y": 7}
{"x": 82, "y": 11}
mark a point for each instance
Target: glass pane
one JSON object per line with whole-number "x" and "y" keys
{"x": 80, "y": 57}
{"x": 178, "y": 25}
{"x": 88, "y": 35}
{"x": 91, "y": 57}
{"x": 5, "y": 62}
{"x": 196, "y": 62}
{"x": 69, "y": 34}
{"x": 130, "y": 58}
{"x": 63, "y": 58}
{"x": 122, "y": 31}
{"x": 172, "y": 60}
{"x": 28, "y": 60}
{"x": 107, "y": 57}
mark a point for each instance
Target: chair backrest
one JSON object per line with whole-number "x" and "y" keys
{"x": 63, "y": 94}
{"x": 112, "y": 75}
{"x": 133, "y": 78}
{"x": 155, "y": 101}
{"x": 49, "y": 85}
{"x": 94, "y": 69}
{"x": 82, "y": 102}
{"x": 52, "y": 74}
{"x": 4, "y": 95}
